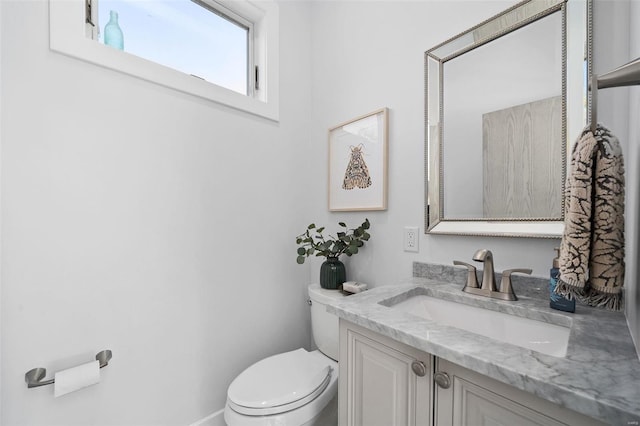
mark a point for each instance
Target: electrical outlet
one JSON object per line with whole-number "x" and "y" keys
{"x": 411, "y": 238}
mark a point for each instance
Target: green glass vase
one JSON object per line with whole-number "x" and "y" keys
{"x": 332, "y": 273}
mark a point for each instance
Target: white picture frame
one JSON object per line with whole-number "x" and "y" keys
{"x": 358, "y": 152}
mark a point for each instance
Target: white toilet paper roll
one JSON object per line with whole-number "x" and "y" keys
{"x": 75, "y": 378}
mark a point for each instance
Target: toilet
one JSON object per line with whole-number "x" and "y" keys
{"x": 296, "y": 388}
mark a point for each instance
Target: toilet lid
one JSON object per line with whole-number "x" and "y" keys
{"x": 279, "y": 383}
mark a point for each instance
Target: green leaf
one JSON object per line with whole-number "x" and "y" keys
{"x": 347, "y": 241}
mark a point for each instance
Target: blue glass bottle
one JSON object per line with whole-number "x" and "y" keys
{"x": 112, "y": 33}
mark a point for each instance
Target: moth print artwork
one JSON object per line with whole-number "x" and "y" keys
{"x": 357, "y": 173}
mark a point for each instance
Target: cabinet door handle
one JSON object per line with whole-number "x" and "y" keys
{"x": 419, "y": 368}
{"x": 442, "y": 379}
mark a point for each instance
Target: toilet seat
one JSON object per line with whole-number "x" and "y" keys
{"x": 279, "y": 383}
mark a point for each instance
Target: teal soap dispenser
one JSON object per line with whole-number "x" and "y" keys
{"x": 557, "y": 301}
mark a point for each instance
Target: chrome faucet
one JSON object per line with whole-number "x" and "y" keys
{"x": 488, "y": 287}
{"x": 488, "y": 276}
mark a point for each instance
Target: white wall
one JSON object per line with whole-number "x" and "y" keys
{"x": 145, "y": 221}
{"x": 633, "y": 185}
{"x": 615, "y": 43}
{"x": 633, "y": 290}
{"x": 367, "y": 55}
{"x": 1, "y": 133}
{"x": 370, "y": 54}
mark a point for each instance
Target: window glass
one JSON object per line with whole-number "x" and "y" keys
{"x": 185, "y": 35}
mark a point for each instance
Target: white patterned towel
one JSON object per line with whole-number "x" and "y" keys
{"x": 592, "y": 248}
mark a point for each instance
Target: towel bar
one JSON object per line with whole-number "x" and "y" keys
{"x": 625, "y": 75}
{"x": 34, "y": 376}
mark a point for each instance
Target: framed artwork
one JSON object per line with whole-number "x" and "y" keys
{"x": 358, "y": 163}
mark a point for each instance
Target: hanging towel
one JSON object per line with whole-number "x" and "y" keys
{"x": 592, "y": 248}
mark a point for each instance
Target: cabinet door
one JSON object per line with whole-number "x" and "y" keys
{"x": 474, "y": 399}
{"x": 377, "y": 383}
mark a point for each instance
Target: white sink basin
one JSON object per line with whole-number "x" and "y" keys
{"x": 544, "y": 337}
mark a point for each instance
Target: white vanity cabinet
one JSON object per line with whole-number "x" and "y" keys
{"x": 472, "y": 398}
{"x": 378, "y": 385}
{"x": 377, "y": 382}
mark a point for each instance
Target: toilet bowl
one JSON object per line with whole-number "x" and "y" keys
{"x": 296, "y": 388}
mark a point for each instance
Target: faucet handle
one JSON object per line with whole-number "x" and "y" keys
{"x": 472, "y": 278}
{"x": 505, "y": 283}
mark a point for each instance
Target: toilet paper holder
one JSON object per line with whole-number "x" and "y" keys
{"x": 34, "y": 376}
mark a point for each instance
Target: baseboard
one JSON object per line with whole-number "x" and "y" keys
{"x": 214, "y": 419}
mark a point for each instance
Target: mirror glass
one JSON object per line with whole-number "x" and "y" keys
{"x": 501, "y": 109}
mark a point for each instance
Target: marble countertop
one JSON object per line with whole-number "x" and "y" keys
{"x": 599, "y": 377}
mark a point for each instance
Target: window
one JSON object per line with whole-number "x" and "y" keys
{"x": 199, "y": 38}
{"x": 212, "y": 49}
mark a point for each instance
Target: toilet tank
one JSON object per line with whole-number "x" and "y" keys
{"x": 324, "y": 325}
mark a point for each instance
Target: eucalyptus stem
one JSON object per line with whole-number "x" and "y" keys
{"x": 345, "y": 242}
